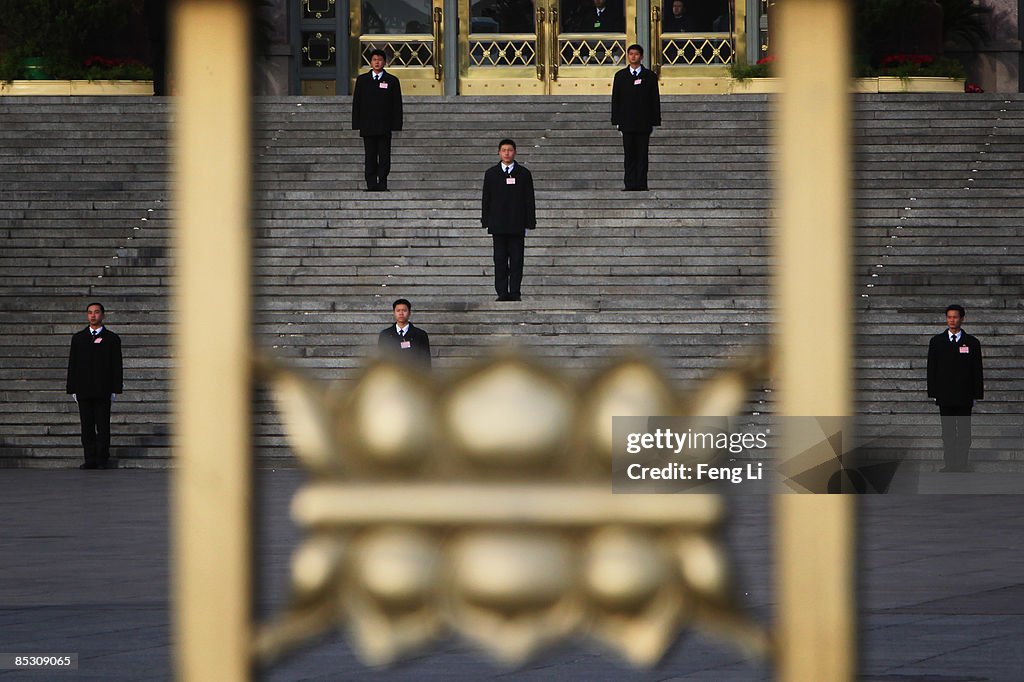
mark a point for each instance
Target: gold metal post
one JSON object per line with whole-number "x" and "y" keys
{"x": 211, "y": 319}
{"x": 815, "y": 533}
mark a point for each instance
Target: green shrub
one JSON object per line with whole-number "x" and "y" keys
{"x": 55, "y": 30}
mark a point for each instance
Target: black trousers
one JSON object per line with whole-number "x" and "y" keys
{"x": 956, "y": 435}
{"x": 95, "y": 416}
{"x": 508, "y": 263}
{"x": 634, "y": 159}
{"x": 158, "y": 50}
{"x": 377, "y": 160}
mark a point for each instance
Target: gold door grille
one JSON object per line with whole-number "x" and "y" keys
{"x": 514, "y": 51}
{"x": 413, "y": 51}
{"x": 586, "y": 51}
{"x": 686, "y": 50}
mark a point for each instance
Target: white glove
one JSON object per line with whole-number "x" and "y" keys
{"x": 113, "y": 397}
{"x": 74, "y": 396}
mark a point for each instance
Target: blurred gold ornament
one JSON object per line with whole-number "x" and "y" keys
{"x": 474, "y": 506}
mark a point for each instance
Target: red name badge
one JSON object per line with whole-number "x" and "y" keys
{"x": 383, "y": 85}
{"x": 965, "y": 349}
{"x": 98, "y": 339}
{"x": 510, "y": 181}
{"x": 638, "y": 81}
{"x": 406, "y": 344}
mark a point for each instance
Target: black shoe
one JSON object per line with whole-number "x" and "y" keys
{"x": 503, "y": 297}
{"x": 514, "y": 297}
{"x": 86, "y": 466}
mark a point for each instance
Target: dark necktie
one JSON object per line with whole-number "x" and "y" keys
{"x": 952, "y": 340}
{"x": 95, "y": 332}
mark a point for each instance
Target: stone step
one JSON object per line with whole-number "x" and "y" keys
{"x": 696, "y": 254}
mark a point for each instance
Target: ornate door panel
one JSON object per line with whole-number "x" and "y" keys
{"x": 542, "y": 46}
{"x": 695, "y": 40}
{"x": 410, "y": 32}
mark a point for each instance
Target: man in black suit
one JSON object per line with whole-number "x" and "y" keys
{"x": 376, "y": 113}
{"x": 155, "y": 14}
{"x": 708, "y": 15}
{"x": 402, "y": 341}
{"x": 94, "y": 376}
{"x": 955, "y": 381}
{"x": 602, "y": 17}
{"x": 636, "y": 110}
{"x": 508, "y": 210}
{"x": 676, "y": 20}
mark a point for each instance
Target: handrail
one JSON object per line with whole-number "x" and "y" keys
{"x": 438, "y": 55}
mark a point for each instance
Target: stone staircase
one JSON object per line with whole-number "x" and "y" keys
{"x": 939, "y": 221}
{"x": 680, "y": 274}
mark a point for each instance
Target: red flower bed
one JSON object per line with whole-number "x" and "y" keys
{"x": 109, "y": 63}
{"x": 901, "y": 59}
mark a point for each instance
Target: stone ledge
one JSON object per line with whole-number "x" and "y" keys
{"x": 859, "y": 85}
{"x": 27, "y": 88}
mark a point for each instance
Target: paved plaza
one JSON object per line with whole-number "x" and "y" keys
{"x": 84, "y": 569}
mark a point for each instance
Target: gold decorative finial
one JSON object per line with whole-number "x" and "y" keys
{"x": 482, "y": 505}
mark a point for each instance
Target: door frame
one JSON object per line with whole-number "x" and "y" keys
{"x": 415, "y": 58}
{"x": 545, "y": 74}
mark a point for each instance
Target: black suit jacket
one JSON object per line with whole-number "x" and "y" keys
{"x": 376, "y": 110}
{"x": 609, "y": 21}
{"x": 955, "y": 375}
{"x": 505, "y": 208}
{"x": 681, "y": 25}
{"x": 94, "y": 364}
{"x": 389, "y": 343}
{"x": 636, "y": 108}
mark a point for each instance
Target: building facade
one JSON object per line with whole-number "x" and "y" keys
{"x": 557, "y": 47}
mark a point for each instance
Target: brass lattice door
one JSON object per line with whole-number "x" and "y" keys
{"x": 542, "y": 47}
{"x": 410, "y": 32}
{"x": 693, "y": 44}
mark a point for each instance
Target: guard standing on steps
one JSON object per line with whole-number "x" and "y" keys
{"x": 508, "y": 211}
{"x": 402, "y": 341}
{"x": 376, "y": 113}
{"x": 95, "y": 376}
{"x": 636, "y": 110}
{"x": 955, "y": 381}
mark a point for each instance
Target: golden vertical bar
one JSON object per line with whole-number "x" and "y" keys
{"x": 739, "y": 32}
{"x": 814, "y": 333}
{"x": 211, "y": 321}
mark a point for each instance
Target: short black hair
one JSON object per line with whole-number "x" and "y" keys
{"x": 636, "y": 47}
{"x": 378, "y": 53}
{"x": 958, "y": 308}
{"x": 505, "y": 142}
{"x": 401, "y": 301}
{"x": 102, "y": 309}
